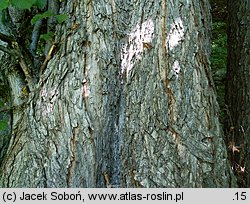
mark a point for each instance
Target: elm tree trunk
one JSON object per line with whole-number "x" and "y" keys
{"x": 126, "y": 101}
{"x": 237, "y": 89}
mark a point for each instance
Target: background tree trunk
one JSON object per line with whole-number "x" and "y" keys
{"x": 238, "y": 86}
{"x": 127, "y": 101}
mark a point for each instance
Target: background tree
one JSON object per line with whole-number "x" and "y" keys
{"x": 237, "y": 90}
{"x": 219, "y": 51}
{"x": 126, "y": 99}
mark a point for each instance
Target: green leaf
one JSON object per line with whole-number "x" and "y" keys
{"x": 47, "y": 36}
{"x": 41, "y": 16}
{"x": 40, "y": 4}
{"x": 61, "y": 18}
{"x": 3, "y": 124}
{"x": 36, "y": 18}
{"x": 4, "y": 4}
{"x": 23, "y": 4}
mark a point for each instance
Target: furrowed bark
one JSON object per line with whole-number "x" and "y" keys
{"x": 237, "y": 90}
{"x": 127, "y": 101}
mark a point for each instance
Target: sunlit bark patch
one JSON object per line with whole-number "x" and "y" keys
{"x": 176, "y": 34}
{"x": 139, "y": 39}
{"x": 176, "y": 68}
{"x": 48, "y": 97}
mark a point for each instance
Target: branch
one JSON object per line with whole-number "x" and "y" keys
{"x": 6, "y": 38}
{"x": 53, "y": 5}
{"x": 9, "y": 108}
{"x": 48, "y": 57}
{"x": 27, "y": 73}
{"x": 10, "y": 52}
{"x": 18, "y": 55}
{"x": 35, "y": 37}
{"x": 10, "y": 41}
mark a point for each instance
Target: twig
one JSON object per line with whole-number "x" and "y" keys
{"x": 35, "y": 37}
{"x": 48, "y": 57}
{"x": 26, "y": 72}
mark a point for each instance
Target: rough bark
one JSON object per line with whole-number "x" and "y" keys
{"x": 127, "y": 101}
{"x": 5, "y": 117}
{"x": 11, "y": 95}
{"x": 237, "y": 90}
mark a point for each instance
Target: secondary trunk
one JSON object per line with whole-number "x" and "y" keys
{"x": 237, "y": 90}
{"x": 127, "y": 101}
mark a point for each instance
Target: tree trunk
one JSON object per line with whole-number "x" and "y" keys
{"x": 237, "y": 89}
{"x": 126, "y": 101}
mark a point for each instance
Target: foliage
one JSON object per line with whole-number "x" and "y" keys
{"x": 41, "y": 16}
{"x": 40, "y": 4}
{"x": 3, "y": 125}
{"x": 47, "y": 36}
{"x": 219, "y": 61}
{"x": 4, "y": 4}
{"x": 27, "y": 4}
{"x": 22, "y": 4}
{"x": 60, "y": 17}
{"x": 219, "y": 46}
